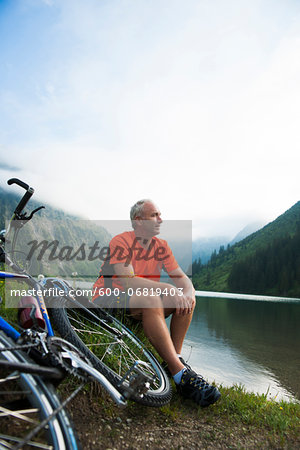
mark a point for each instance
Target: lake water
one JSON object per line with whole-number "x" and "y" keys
{"x": 253, "y": 343}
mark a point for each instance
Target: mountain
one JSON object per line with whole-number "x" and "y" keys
{"x": 266, "y": 262}
{"x": 54, "y": 243}
{"x": 203, "y": 247}
{"x": 249, "y": 229}
{"x": 9, "y": 201}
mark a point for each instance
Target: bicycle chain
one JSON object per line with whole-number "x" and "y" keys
{"x": 17, "y": 347}
{"x": 55, "y": 352}
{"x": 56, "y": 347}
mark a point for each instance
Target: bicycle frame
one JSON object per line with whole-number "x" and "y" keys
{"x": 41, "y": 302}
{"x": 14, "y": 334}
{"x": 18, "y": 273}
{"x": 8, "y": 329}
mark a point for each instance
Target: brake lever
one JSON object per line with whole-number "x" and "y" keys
{"x": 33, "y": 212}
{"x": 24, "y": 218}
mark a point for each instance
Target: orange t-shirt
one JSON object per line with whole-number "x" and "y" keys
{"x": 146, "y": 263}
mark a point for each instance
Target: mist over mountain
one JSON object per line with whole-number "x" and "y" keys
{"x": 246, "y": 231}
{"x": 68, "y": 241}
{"x": 204, "y": 247}
{"x": 58, "y": 244}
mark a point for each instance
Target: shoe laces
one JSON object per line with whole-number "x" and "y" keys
{"x": 198, "y": 381}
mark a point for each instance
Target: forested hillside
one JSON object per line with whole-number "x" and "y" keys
{"x": 274, "y": 269}
{"x": 266, "y": 262}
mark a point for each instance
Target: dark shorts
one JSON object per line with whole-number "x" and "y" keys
{"x": 116, "y": 306}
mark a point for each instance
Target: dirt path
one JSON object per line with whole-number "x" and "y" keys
{"x": 101, "y": 425}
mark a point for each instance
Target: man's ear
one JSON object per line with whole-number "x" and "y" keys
{"x": 138, "y": 220}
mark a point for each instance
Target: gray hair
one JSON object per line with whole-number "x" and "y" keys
{"x": 137, "y": 209}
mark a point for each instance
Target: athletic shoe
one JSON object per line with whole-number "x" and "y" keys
{"x": 194, "y": 387}
{"x": 184, "y": 363}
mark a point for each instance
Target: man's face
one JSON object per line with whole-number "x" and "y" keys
{"x": 151, "y": 220}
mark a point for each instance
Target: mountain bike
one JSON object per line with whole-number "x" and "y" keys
{"x": 32, "y": 415}
{"x": 32, "y": 359}
{"x": 106, "y": 343}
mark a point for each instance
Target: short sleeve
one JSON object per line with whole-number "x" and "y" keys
{"x": 169, "y": 261}
{"x": 119, "y": 250}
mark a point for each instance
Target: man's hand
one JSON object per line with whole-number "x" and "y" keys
{"x": 183, "y": 300}
{"x": 185, "y": 303}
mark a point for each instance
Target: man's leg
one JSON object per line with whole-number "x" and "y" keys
{"x": 178, "y": 329}
{"x": 152, "y": 315}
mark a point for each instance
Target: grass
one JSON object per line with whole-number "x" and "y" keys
{"x": 249, "y": 413}
{"x": 237, "y": 405}
{"x": 239, "y": 419}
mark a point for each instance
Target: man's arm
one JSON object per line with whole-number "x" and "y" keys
{"x": 181, "y": 280}
{"x": 184, "y": 300}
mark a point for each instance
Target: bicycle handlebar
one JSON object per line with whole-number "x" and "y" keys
{"x": 18, "y": 182}
{"x": 26, "y": 197}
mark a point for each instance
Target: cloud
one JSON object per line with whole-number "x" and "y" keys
{"x": 4, "y": 166}
{"x": 195, "y": 106}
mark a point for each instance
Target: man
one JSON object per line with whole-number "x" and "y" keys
{"x": 134, "y": 266}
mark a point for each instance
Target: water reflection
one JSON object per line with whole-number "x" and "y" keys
{"x": 256, "y": 344}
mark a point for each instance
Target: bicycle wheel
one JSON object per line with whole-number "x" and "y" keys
{"x": 111, "y": 347}
{"x": 26, "y": 402}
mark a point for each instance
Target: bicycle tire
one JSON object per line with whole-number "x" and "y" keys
{"x": 110, "y": 352}
{"x": 37, "y": 400}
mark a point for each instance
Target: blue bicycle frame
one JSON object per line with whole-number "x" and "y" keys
{"x": 5, "y": 326}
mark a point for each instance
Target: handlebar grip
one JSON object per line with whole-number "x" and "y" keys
{"x": 26, "y": 197}
{"x": 19, "y": 182}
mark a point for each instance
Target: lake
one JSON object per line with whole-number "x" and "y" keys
{"x": 253, "y": 343}
{"x": 256, "y": 343}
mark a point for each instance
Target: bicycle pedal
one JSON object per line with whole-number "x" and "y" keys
{"x": 135, "y": 382}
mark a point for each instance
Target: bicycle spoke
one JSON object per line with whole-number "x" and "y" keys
{"x": 10, "y": 377}
{"x": 125, "y": 355}
{"x": 4, "y": 412}
{"x": 31, "y": 415}
{"x": 114, "y": 350}
{"x": 5, "y": 438}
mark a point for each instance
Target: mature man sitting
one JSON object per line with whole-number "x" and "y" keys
{"x": 136, "y": 260}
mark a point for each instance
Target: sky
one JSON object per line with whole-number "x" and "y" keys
{"x": 193, "y": 104}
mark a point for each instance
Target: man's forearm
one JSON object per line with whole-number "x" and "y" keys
{"x": 184, "y": 283}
